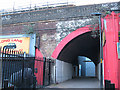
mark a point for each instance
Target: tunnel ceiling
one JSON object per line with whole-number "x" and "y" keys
{"x": 82, "y": 45}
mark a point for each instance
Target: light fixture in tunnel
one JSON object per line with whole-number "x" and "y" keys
{"x": 95, "y": 34}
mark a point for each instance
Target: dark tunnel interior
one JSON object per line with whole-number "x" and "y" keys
{"x": 82, "y": 45}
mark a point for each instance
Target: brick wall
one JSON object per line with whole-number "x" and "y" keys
{"x": 52, "y": 25}
{"x": 55, "y": 13}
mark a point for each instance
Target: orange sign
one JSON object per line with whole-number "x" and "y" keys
{"x": 20, "y": 44}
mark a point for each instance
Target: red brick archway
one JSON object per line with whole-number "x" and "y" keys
{"x": 68, "y": 38}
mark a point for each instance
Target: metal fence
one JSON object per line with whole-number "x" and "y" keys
{"x": 32, "y": 7}
{"x": 48, "y": 63}
{"x": 19, "y": 70}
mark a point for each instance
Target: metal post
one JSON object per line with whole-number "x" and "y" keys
{"x": 1, "y": 54}
{"x": 55, "y": 71}
{"x": 34, "y": 77}
{"x": 101, "y": 51}
{"x": 5, "y": 83}
{"x": 1, "y": 68}
{"x": 39, "y": 42}
{"x": 44, "y": 64}
{"x": 24, "y": 55}
{"x": 101, "y": 80}
{"x": 49, "y": 70}
{"x": 101, "y": 54}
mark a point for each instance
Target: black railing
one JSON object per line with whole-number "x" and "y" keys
{"x": 19, "y": 70}
{"x": 47, "y": 79}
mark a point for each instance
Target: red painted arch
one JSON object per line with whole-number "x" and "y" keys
{"x": 68, "y": 38}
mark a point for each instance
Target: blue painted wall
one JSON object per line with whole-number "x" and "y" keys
{"x": 90, "y": 68}
{"x": 87, "y": 68}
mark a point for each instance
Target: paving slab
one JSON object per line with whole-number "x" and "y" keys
{"x": 78, "y": 83}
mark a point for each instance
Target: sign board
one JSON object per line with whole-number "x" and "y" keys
{"x": 103, "y": 38}
{"x": 119, "y": 35}
{"x": 103, "y": 33}
{"x": 118, "y": 49}
{"x": 20, "y": 44}
{"x": 118, "y": 46}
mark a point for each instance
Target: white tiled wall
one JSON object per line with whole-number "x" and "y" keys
{"x": 64, "y": 71}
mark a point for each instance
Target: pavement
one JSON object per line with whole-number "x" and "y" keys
{"x": 78, "y": 83}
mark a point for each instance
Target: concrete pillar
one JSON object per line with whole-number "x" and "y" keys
{"x": 98, "y": 71}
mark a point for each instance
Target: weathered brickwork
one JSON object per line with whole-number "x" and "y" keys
{"x": 55, "y": 13}
{"x": 46, "y": 31}
{"x": 52, "y": 25}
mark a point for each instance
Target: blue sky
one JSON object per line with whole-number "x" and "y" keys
{"x": 9, "y": 4}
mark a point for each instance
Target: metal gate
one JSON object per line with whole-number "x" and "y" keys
{"x": 18, "y": 70}
{"x": 47, "y": 79}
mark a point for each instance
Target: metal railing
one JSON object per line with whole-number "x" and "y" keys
{"x": 48, "y": 63}
{"x": 19, "y": 70}
{"x": 37, "y": 6}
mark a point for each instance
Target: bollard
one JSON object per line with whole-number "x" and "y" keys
{"x": 5, "y": 83}
{"x": 107, "y": 84}
{"x": 34, "y": 82}
{"x": 112, "y": 86}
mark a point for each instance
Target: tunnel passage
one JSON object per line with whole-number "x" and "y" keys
{"x": 78, "y": 43}
{"x": 83, "y": 45}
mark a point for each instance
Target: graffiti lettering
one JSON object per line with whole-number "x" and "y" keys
{"x": 2, "y": 41}
{"x": 17, "y": 40}
{"x": 12, "y": 40}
